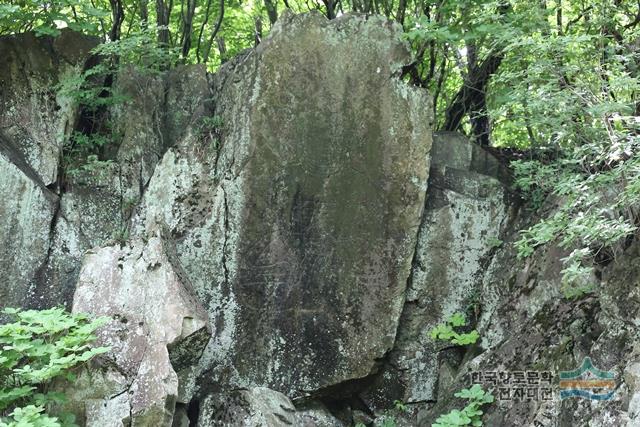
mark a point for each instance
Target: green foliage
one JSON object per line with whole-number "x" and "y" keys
{"x": 210, "y": 126}
{"x": 46, "y": 18}
{"x": 95, "y": 95}
{"x": 81, "y": 156}
{"x": 121, "y": 234}
{"x": 388, "y": 421}
{"x": 87, "y": 90}
{"x": 399, "y": 406}
{"x": 389, "y": 418}
{"x": 568, "y": 91}
{"x": 37, "y": 348}
{"x": 494, "y": 242}
{"x": 139, "y": 50}
{"x": 211, "y": 123}
{"x": 470, "y": 414}
{"x": 596, "y": 211}
{"x": 445, "y": 331}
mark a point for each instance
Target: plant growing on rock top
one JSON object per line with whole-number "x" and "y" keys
{"x": 470, "y": 414}
{"x": 445, "y": 331}
{"x": 37, "y": 348}
{"x": 495, "y": 243}
{"x": 97, "y": 96}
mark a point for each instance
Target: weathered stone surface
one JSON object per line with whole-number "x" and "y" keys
{"x": 30, "y": 115}
{"x": 631, "y": 377}
{"x": 526, "y": 324}
{"x": 96, "y": 205}
{"x": 466, "y": 212}
{"x": 27, "y": 211}
{"x": 112, "y": 412}
{"x": 142, "y": 288}
{"x": 257, "y": 406}
{"x": 33, "y": 124}
{"x": 298, "y": 234}
{"x": 260, "y": 406}
{"x": 315, "y": 414}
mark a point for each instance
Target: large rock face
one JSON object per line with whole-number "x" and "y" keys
{"x": 30, "y": 114}
{"x": 33, "y": 124}
{"x": 527, "y": 325}
{"x": 259, "y": 406}
{"x": 298, "y": 234}
{"x": 26, "y": 215}
{"x": 52, "y": 215}
{"x": 96, "y": 206}
{"x": 291, "y": 194}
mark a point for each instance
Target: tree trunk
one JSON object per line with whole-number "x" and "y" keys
{"x": 187, "y": 27}
{"x": 144, "y": 14}
{"x": 331, "y": 8}
{"x": 163, "y": 11}
{"x": 117, "y": 14}
{"x": 214, "y": 33}
{"x": 471, "y": 99}
{"x": 272, "y": 10}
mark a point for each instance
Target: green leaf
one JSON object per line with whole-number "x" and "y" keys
{"x": 457, "y": 319}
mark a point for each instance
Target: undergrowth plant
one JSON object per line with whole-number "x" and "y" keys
{"x": 37, "y": 348}
{"x": 81, "y": 156}
{"x": 389, "y": 418}
{"x": 446, "y": 332}
{"x": 471, "y": 414}
{"x": 93, "y": 95}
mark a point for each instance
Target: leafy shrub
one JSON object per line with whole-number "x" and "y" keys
{"x": 597, "y": 197}
{"x": 37, "y": 348}
{"x": 470, "y": 414}
{"x": 139, "y": 50}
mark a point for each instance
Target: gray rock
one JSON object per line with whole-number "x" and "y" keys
{"x": 114, "y": 412}
{"x": 466, "y": 213}
{"x": 298, "y": 233}
{"x": 34, "y": 121}
{"x": 181, "y": 417}
{"x": 142, "y": 288}
{"x": 254, "y": 407}
{"x": 31, "y": 116}
{"x": 260, "y": 406}
{"x": 526, "y": 324}
{"x": 27, "y": 211}
{"x": 315, "y": 414}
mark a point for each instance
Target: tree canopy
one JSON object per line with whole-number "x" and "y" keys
{"x": 510, "y": 73}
